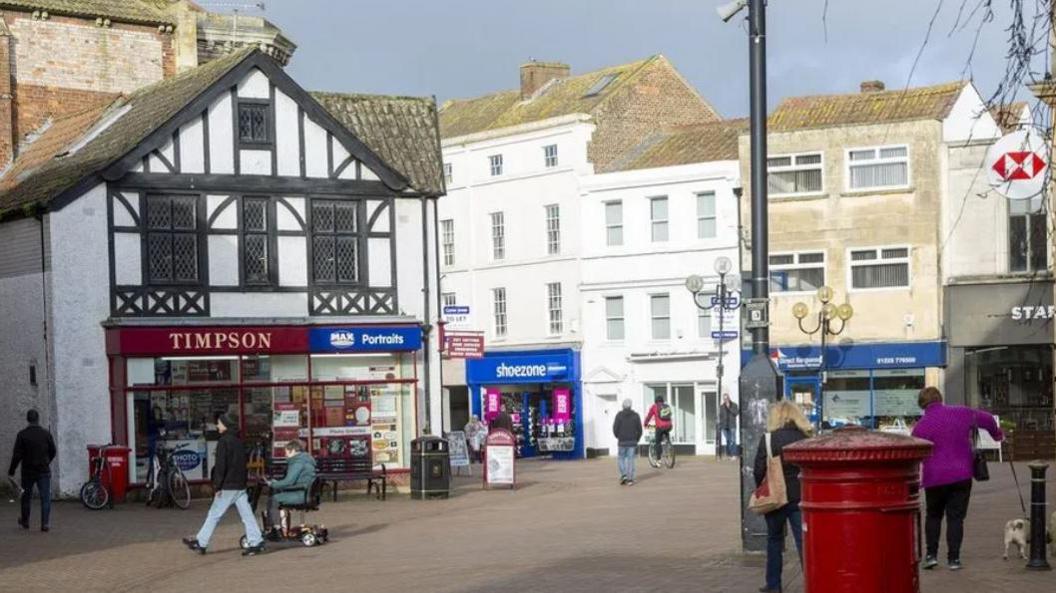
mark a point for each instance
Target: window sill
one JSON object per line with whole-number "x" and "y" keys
{"x": 798, "y": 197}
{"x": 880, "y": 191}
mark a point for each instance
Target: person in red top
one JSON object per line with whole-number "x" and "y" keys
{"x": 661, "y": 414}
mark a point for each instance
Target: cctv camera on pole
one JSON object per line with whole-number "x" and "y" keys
{"x": 728, "y": 11}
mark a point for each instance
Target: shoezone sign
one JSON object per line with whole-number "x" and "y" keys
{"x": 1017, "y": 165}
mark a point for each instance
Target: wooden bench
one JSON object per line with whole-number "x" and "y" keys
{"x": 335, "y": 470}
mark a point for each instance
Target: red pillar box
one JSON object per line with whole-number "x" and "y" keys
{"x": 116, "y": 477}
{"x": 861, "y": 510}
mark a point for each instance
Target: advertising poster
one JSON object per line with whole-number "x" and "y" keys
{"x": 459, "y": 452}
{"x": 562, "y": 402}
{"x": 492, "y": 401}
{"x": 285, "y": 426}
{"x": 384, "y": 421}
{"x": 500, "y": 465}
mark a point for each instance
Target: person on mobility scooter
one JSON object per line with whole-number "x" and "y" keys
{"x": 297, "y": 490}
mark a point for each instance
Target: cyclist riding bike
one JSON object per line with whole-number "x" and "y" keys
{"x": 662, "y": 416}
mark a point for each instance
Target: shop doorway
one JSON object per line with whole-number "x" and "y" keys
{"x": 458, "y": 402}
{"x": 710, "y": 405}
{"x": 804, "y": 390}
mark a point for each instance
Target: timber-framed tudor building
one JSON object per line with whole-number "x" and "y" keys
{"x": 224, "y": 242}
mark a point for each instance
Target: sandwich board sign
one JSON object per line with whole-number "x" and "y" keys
{"x": 499, "y": 459}
{"x": 459, "y": 453}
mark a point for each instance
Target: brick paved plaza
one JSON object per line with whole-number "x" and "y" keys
{"x": 568, "y": 528}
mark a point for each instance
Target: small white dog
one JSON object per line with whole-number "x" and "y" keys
{"x": 1017, "y": 531}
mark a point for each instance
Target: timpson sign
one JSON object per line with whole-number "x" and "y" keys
{"x": 220, "y": 340}
{"x": 187, "y": 341}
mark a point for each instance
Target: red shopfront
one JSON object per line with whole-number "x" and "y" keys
{"x": 347, "y": 391}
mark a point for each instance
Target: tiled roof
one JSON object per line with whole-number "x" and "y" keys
{"x": 403, "y": 131}
{"x": 43, "y": 171}
{"x": 1008, "y": 117}
{"x": 932, "y": 102}
{"x": 684, "y": 145}
{"x": 564, "y": 96}
{"x": 150, "y": 12}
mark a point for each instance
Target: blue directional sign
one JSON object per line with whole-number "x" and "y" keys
{"x": 733, "y": 301}
{"x": 724, "y": 335}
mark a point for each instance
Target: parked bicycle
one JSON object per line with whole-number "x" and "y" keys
{"x": 166, "y": 483}
{"x": 667, "y": 451}
{"x": 95, "y": 494}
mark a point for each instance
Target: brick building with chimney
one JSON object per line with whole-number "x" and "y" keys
{"x": 59, "y": 56}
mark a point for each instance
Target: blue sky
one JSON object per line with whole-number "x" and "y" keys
{"x": 465, "y": 48}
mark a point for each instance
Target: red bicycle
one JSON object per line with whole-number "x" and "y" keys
{"x": 94, "y": 493}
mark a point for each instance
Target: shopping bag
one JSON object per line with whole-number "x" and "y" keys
{"x": 980, "y": 471}
{"x": 772, "y": 493}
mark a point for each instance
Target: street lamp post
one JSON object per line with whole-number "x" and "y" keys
{"x": 826, "y": 315}
{"x": 725, "y": 298}
{"x": 760, "y": 383}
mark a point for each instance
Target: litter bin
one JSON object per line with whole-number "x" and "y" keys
{"x": 116, "y": 479}
{"x": 861, "y": 510}
{"x": 430, "y": 468}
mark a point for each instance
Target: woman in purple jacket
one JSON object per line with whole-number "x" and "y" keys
{"x": 947, "y": 476}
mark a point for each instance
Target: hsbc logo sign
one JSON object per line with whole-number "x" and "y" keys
{"x": 1018, "y": 165}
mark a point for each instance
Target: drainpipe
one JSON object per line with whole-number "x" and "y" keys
{"x": 439, "y": 303}
{"x": 426, "y": 317}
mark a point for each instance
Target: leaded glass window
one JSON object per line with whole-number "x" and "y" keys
{"x": 253, "y": 122}
{"x": 335, "y": 242}
{"x": 256, "y": 261}
{"x": 172, "y": 239}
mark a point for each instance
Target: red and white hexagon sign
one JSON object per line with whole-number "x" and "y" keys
{"x": 1017, "y": 165}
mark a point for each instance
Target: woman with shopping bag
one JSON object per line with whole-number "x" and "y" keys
{"x": 777, "y": 487}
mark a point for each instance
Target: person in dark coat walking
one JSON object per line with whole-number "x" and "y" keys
{"x": 34, "y": 451}
{"x": 230, "y": 478}
{"x": 786, "y": 425}
{"x": 728, "y": 413}
{"x": 503, "y": 421}
{"x": 628, "y": 431}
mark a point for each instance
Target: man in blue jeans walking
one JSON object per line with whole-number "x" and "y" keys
{"x": 728, "y": 413}
{"x": 34, "y": 451}
{"x": 628, "y": 431}
{"x": 229, "y": 482}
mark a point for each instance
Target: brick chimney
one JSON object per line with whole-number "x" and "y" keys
{"x": 536, "y": 74}
{"x": 873, "y": 86}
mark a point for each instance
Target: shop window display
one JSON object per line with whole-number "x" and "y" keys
{"x": 1015, "y": 384}
{"x": 881, "y": 399}
{"x": 350, "y": 405}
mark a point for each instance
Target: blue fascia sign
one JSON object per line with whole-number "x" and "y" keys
{"x": 904, "y": 355}
{"x": 508, "y": 370}
{"x": 366, "y": 339}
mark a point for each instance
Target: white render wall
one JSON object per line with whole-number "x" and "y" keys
{"x": 521, "y": 193}
{"x": 22, "y": 331}
{"x": 641, "y": 268}
{"x": 588, "y": 269}
{"x": 80, "y": 302}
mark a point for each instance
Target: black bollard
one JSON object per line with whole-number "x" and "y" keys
{"x": 1038, "y": 559}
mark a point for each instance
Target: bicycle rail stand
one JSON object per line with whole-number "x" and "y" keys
{"x": 1038, "y": 559}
